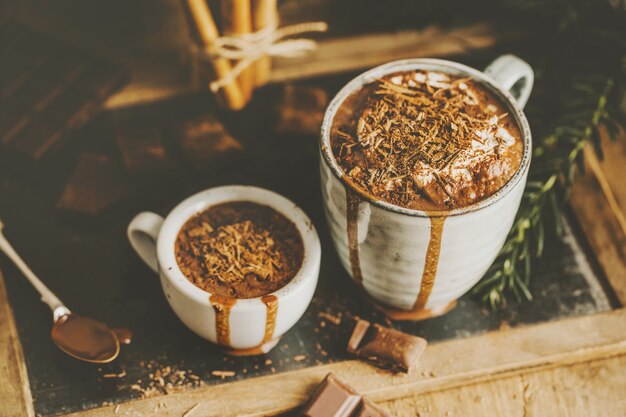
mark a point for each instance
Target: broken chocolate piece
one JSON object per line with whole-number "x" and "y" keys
{"x": 97, "y": 183}
{"x": 334, "y": 398}
{"x": 206, "y": 143}
{"x": 385, "y": 347}
{"x": 143, "y": 151}
{"x": 300, "y": 110}
{"x": 360, "y": 329}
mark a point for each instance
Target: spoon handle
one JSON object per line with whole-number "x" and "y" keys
{"x": 46, "y": 295}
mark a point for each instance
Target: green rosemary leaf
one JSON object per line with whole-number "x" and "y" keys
{"x": 558, "y": 158}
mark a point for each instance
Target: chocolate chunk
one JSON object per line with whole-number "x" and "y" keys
{"x": 206, "y": 143}
{"x": 97, "y": 183}
{"x": 300, "y": 110}
{"x": 334, "y": 398}
{"x": 143, "y": 151}
{"x": 385, "y": 347}
{"x": 360, "y": 329}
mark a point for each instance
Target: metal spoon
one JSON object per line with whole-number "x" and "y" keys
{"x": 81, "y": 337}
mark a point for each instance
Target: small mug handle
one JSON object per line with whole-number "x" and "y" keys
{"x": 513, "y": 74}
{"x": 143, "y": 231}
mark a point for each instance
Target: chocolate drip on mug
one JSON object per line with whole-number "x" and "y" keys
{"x": 432, "y": 260}
{"x": 271, "y": 302}
{"x": 352, "y": 216}
{"x": 222, "y": 307}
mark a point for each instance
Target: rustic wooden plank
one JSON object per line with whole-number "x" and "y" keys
{"x": 332, "y": 56}
{"x": 353, "y": 53}
{"x": 15, "y": 396}
{"x": 443, "y": 366}
{"x": 610, "y": 173}
{"x": 600, "y": 223}
{"x": 588, "y": 389}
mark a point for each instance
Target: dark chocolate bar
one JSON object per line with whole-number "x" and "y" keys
{"x": 385, "y": 347}
{"x": 48, "y": 90}
{"x": 334, "y": 398}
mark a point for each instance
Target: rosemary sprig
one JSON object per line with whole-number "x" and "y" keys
{"x": 557, "y": 155}
{"x": 582, "y": 68}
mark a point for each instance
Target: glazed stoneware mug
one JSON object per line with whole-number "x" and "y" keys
{"x": 415, "y": 264}
{"x": 243, "y": 326}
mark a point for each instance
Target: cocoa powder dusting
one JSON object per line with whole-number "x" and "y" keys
{"x": 239, "y": 250}
{"x": 426, "y": 140}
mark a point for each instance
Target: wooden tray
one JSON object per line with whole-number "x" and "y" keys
{"x": 90, "y": 265}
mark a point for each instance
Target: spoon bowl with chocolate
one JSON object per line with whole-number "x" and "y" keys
{"x": 423, "y": 166}
{"x": 81, "y": 337}
{"x": 238, "y": 264}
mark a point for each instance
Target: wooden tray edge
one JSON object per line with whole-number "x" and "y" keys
{"x": 15, "y": 396}
{"x": 601, "y": 221}
{"x": 444, "y": 365}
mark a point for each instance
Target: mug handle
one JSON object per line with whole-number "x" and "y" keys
{"x": 143, "y": 231}
{"x": 513, "y": 74}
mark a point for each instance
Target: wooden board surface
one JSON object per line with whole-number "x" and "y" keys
{"x": 444, "y": 365}
{"x": 588, "y": 389}
{"x": 15, "y": 396}
{"x": 599, "y": 219}
{"x": 365, "y": 51}
{"x": 545, "y": 349}
{"x": 599, "y": 382}
{"x": 77, "y": 253}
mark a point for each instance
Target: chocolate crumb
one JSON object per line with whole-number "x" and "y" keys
{"x": 113, "y": 375}
{"x": 223, "y": 374}
{"x": 329, "y": 317}
{"x": 164, "y": 380}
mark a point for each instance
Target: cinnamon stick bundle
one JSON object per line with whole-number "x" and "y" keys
{"x": 264, "y": 13}
{"x": 205, "y": 25}
{"x": 237, "y": 20}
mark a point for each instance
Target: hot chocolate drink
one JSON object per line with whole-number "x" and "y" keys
{"x": 426, "y": 140}
{"x": 239, "y": 250}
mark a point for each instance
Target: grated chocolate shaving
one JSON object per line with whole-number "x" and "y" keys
{"x": 239, "y": 249}
{"x": 417, "y": 137}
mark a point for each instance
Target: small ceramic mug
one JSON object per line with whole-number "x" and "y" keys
{"x": 416, "y": 264}
{"x": 246, "y": 326}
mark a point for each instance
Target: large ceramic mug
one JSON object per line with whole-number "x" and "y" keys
{"x": 246, "y": 326}
{"x": 410, "y": 260}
